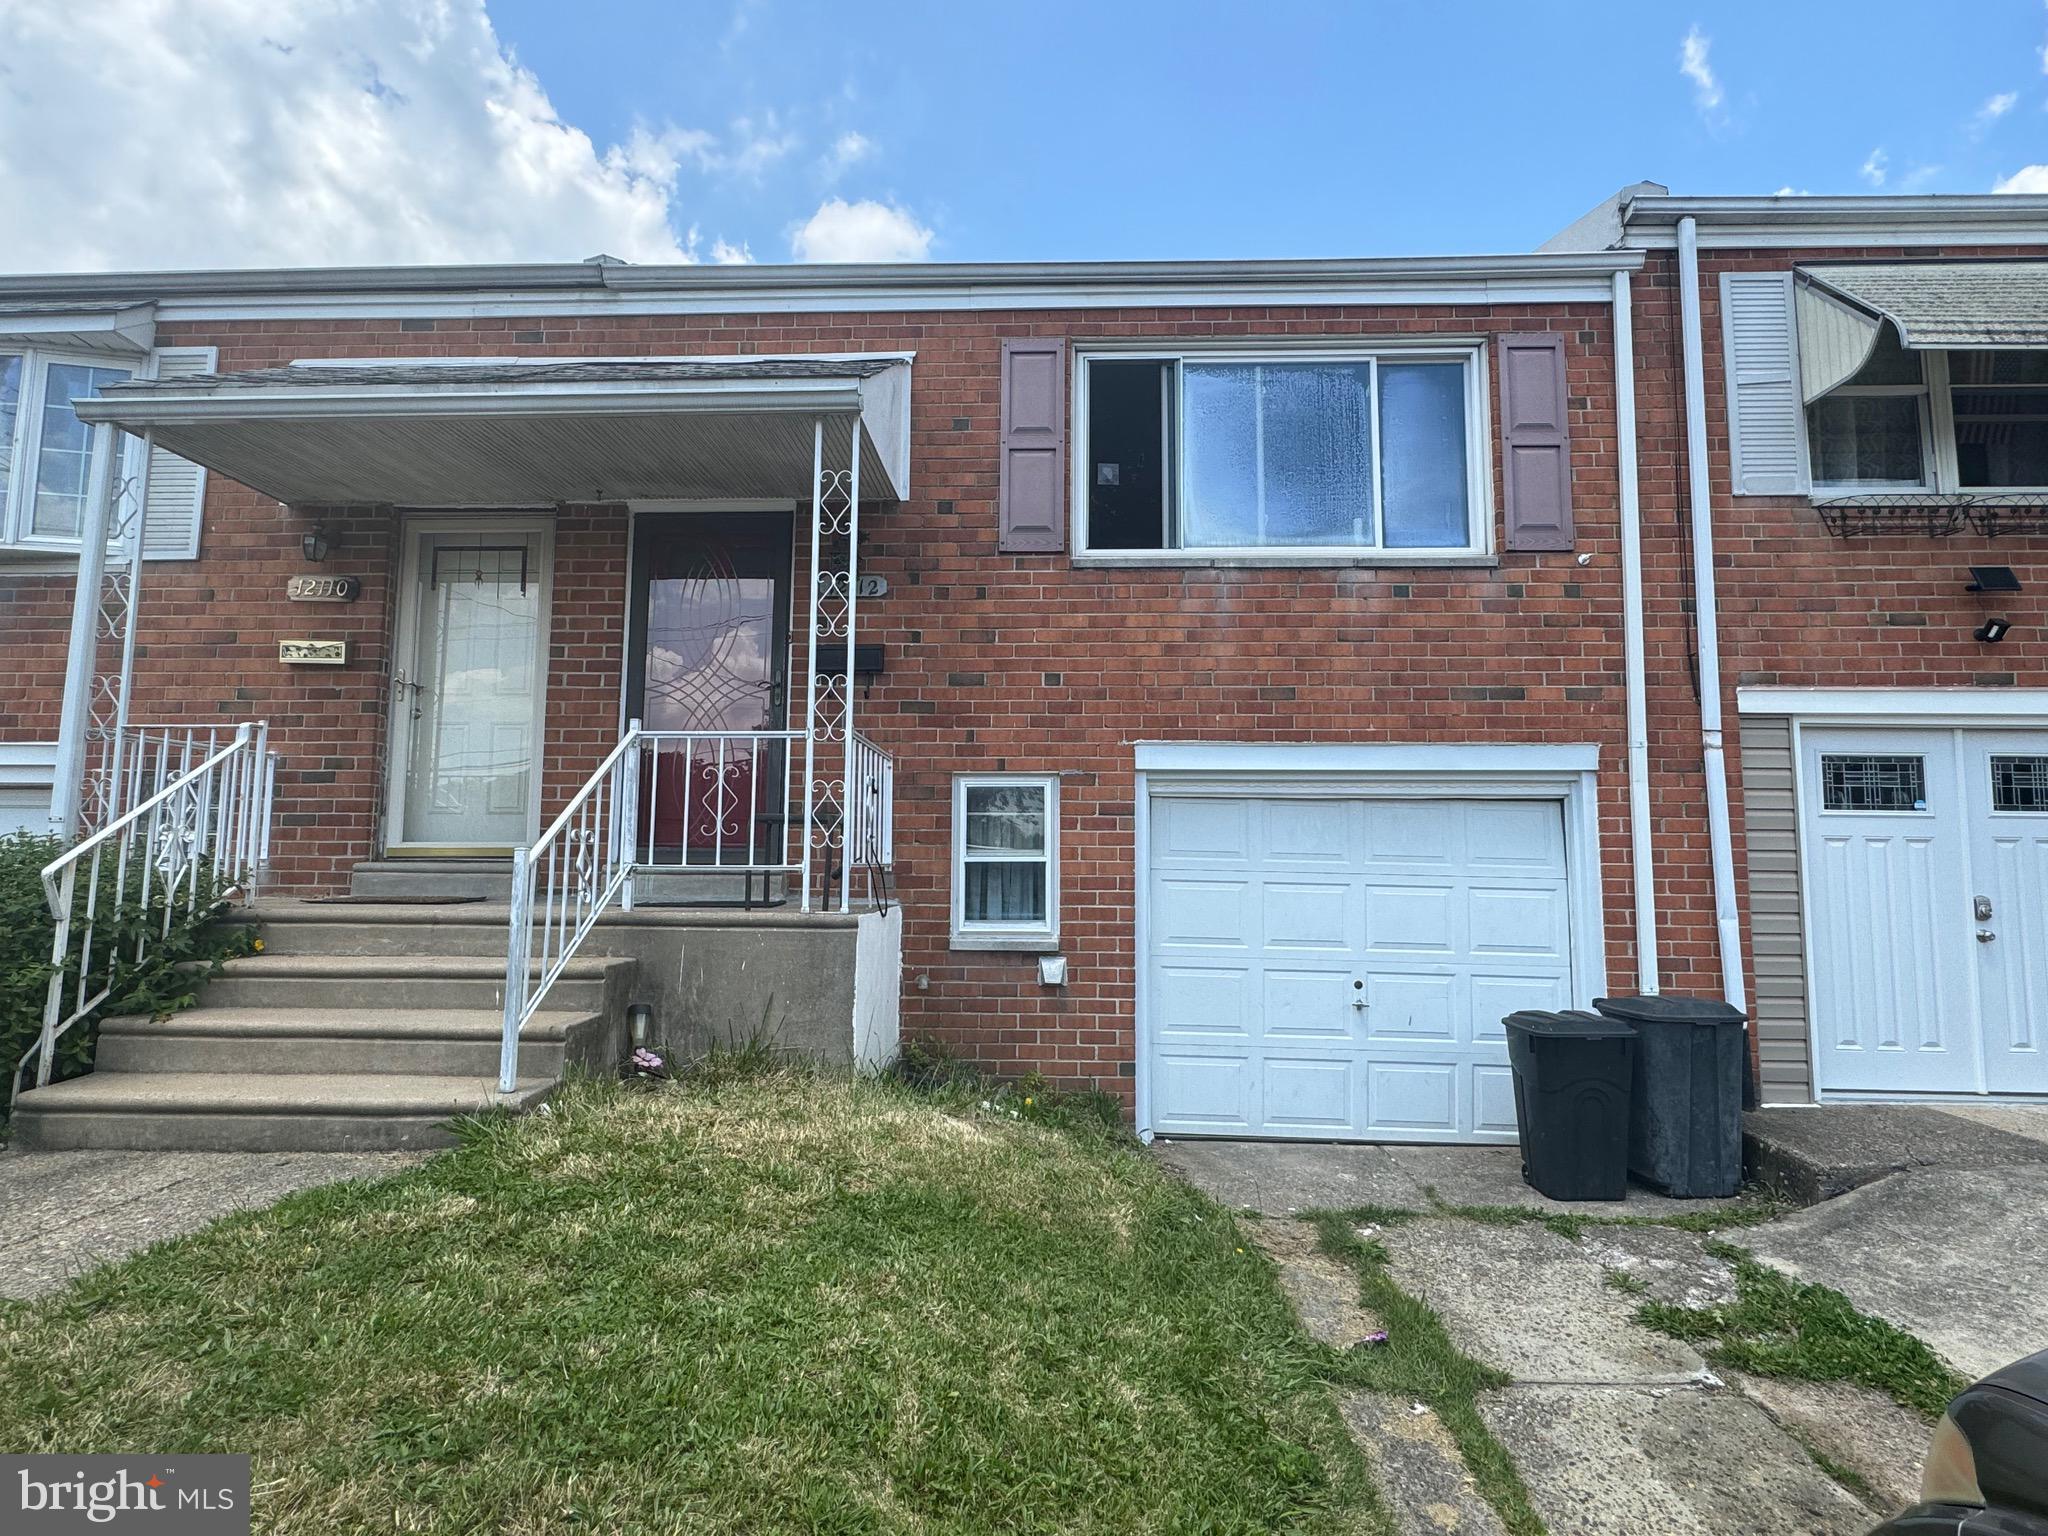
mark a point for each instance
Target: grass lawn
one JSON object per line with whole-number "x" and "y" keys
{"x": 757, "y": 1301}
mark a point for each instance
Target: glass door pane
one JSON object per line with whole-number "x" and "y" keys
{"x": 473, "y": 686}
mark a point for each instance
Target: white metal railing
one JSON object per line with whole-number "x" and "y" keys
{"x": 684, "y": 800}
{"x": 194, "y": 825}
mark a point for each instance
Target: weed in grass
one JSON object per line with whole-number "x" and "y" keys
{"x": 1419, "y": 1363}
{"x": 1782, "y": 1327}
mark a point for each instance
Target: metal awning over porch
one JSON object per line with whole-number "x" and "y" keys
{"x": 1933, "y": 305}
{"x": 509, "y": 433}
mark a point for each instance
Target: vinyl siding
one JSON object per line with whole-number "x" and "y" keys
{"x": 1777, "y": 939}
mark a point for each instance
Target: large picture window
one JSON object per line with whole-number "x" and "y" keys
{"x": 1006, "y": 869}
{"x": 1283, "y": 454}
{"x": 45, "y": 450}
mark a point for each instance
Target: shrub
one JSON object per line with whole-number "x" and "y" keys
{"x": 168, "y": 976}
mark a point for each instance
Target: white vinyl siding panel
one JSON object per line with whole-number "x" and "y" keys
{"x": 177, "y": 487}
{"x": 1766, "y": 418}
{"x": 1777, "y": 938}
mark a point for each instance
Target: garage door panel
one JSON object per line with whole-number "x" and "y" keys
{"x": 1307, "y": 915}
{"x": 1205, "y": 832}
{"x": 1407, "y": 1007}
{"x": 1510, "y": 920}
{"x": 1308, "y": 1005}
{"x": 1205, "y": 1002}
{"x": 1308, "y": 1094}
{"x": 1495, "y": 996}
{"x": 1493, "y": 1099}
{"x": 1266, "y": 913}
{"x": 1316, "y": 834}
{"x": 1514, "y": 834}
{"x": 1422, "y": 834}
{"x": 1411, "y": 919}
{"x": 1411, "y": 1096}
{"x": 1207, "y": 914}
{"x": 1203, "y": 1094}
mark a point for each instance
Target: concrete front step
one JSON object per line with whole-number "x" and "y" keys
{"x": 432, "y": 879}
{"x": 421, "y": 1041}
{"x": 236, "y": 1112}
{"x": 393, "y": 982}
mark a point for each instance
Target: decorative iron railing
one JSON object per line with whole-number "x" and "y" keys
{"x": 870, "y": 845}
{"x": 194, "y": 826}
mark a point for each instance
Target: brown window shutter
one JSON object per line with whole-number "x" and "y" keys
{"x": 1031, "y": 497}
{"x": 1536, "y": 449}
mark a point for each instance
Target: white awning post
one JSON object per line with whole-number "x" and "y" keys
{"x": 81, "y": 660}
{"x": 811, "y": 655}
{"x": 848, "y": 789}
{"x": 136, "y": 493}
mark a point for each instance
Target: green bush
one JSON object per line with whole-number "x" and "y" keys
{"x": 165, "y": 980}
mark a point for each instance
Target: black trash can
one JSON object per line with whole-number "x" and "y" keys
{"x": 1573, "y": 1073}
{"x": 1692, "y": 1058}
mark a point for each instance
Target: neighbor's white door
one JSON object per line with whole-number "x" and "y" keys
{"x": 1339, "y": 968}
{"x": 1925, "y": 857}
{"x": 2007, "y": 774}
{"x": 467, "y": 688}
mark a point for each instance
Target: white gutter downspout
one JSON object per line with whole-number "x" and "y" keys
{"x": 1720, "y": 839}
{"x": 1633, "y": 664}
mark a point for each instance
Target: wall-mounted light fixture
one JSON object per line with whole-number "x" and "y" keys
{"x": 314, "y": 545}
{"x": 1992, "y": 578}
{"x": 1991, "y": 631}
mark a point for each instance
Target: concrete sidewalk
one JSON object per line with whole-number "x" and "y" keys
{"x": 69, "y": 1212}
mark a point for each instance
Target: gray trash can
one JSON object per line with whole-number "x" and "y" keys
{"x": 1685, "y": 1124}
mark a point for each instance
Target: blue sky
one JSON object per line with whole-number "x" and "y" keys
{"x": 1141, "y": 129}
{"x": 200, "y": 133}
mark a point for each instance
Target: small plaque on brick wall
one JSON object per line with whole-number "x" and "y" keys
{"x": 323, "y": 589}
{"x": 313, "y": 653}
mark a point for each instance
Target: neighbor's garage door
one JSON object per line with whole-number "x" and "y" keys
{"x": 1326, "y": 968}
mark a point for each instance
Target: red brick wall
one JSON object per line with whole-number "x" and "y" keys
{"x": 1798, "y": 607}
{"x": 995, "y": 661}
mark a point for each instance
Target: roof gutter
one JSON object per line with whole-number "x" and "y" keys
{"x": 1720, "y": 837}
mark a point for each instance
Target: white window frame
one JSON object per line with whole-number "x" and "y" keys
{"x": 17, "y": 505}
{"x": 1032, "y": 937}
{"x": 1470, "y": 353}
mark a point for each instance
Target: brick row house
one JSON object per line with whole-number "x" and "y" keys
{"x": 1232, "y": 685}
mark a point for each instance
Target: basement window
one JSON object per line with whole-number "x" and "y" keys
{"x": 1006, "y": 871}
{"x": 1283, "y": 454}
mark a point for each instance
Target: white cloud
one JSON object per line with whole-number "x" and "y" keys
{"x": 862, "y": 231}
{"x": 245, "y": 133}
{"x": 1792, "y": 191}
{"x": 755, "y": 147}
{"x": 1993, "y": 109}
{"x": 1707, "y": 94}
{"x": 849, "y": 149}
{"x": 726, "y": 254}
{"x": 1874, "y": 164}
{"x": 2027, "y": 179}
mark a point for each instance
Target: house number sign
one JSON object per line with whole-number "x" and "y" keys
{"x": 323, "y": 589}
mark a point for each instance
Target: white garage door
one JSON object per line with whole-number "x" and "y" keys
{"x": 1328, "y": 968}
{"x": 1926, "y": 874}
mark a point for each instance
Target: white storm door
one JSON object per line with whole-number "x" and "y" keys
{"x": 1883, "y": 831}
{"x": 467, "y": 689}
{"x": 2007, "y": 795}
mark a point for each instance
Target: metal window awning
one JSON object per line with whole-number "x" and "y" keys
{"x": 1934, "y": 306}
{"x": 519, "y": 433}
{"x": 114, "y": 326}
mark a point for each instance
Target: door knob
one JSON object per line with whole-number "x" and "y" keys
{"x": 1985, "y": 935}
